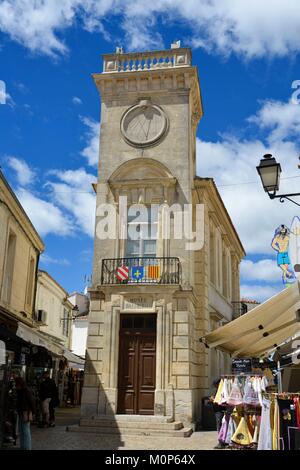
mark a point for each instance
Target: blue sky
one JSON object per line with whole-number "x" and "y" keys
{"x": 246, "y": 53}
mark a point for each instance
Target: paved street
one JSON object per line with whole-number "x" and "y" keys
{"x": 59, "y": 439}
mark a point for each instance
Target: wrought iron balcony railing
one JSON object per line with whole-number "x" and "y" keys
{"x": 144, "y": 270}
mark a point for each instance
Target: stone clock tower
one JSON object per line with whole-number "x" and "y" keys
{"x": 149, "y": 296}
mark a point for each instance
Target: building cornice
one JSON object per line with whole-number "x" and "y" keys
{"x": 181, "y": 80}
{"x": 10, "y": 200}
{"x": 44, "y": 277}
{"x": 220, "y": 212}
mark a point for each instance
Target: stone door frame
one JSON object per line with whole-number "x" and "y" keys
{"x": 164, "y": 400}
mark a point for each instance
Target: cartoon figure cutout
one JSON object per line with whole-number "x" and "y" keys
{"x": 280, "y": 243}
{"x": 294, "y": 246}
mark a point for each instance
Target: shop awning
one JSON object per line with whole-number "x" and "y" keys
{"x": 34, "y": 337}
{"x": 262, "y": 329}
{"x": 73, "y": 359}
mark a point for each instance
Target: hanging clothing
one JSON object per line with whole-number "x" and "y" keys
{"x": 224, "y": 392}
{"x": 218, "y": 395}
{"x": 256, "y": 384}
{"x": 265, "y": 434}
{"x": 297, "y": 411}
{"x": 224, "y": 427}
{"x": 275, "y": 434}
{"x": 230, "y": 430}
{"x": 235, "y": 397}
{"x": 255, "y": 435}
{"x": 250, "y": 395}
{"x": 242, "y": 435}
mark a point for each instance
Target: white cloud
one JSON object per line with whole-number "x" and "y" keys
{"x": 45, "y": 216}
{"x": 281, "y": 119}
{"x": 232, "y": 163}
{"x": 262, "y": 270}
{"x": 35, "y": 24}
{"x": 250, "y": 29}
{"x": 5, "y": 97}
{"x": 75, "y": 195}
{"x": 91, "y": 151}
{"x": 77, "y": 178}
{"x": 76, "y": 100}
{"x": 46, "y": 259}
{"x": 144, "y": 37}
{"x": 259, "y": 292}
{"x": 25, "y": 175}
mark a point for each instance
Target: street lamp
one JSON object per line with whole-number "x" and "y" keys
{"x": 269, "y": 171}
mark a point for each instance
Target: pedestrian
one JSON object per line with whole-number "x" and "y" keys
{"x": 218, "y": 411}
{"x": 54, "y": 402}
{"x": 47, "y": 391}
{"x": 25, "y": 409}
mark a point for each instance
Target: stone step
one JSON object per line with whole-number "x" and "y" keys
{"x": 184, "y": 432}
{"x": 123, "y": 425}
{"x": 132, "y": 418}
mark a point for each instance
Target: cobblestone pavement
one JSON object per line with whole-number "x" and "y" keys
{"x": 58, "y": 438}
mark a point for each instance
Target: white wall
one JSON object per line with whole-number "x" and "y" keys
{"x": 79, "y": 337}
{"x": 52, "y": 299}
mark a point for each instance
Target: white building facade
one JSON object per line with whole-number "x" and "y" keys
{"x": 54, "y": 312}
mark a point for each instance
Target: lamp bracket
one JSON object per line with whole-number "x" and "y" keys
{"x": 282, "y": 197}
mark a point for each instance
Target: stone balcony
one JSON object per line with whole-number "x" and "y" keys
{"x": 141, "y": 61}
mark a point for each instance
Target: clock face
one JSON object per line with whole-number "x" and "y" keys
{"x": 143, "y": 125}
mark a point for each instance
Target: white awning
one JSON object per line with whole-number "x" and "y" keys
{"x": 262, "y": 329}
{"x": 35, "y": 337}
{"x": 73, "y": 359}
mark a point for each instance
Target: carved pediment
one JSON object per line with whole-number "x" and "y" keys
{"x": 143, "y": 179}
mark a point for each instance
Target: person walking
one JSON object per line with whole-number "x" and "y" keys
{"x": 54, "y": 402}
{"x": 47, "y": 392}
{"x": 25, "y": 409}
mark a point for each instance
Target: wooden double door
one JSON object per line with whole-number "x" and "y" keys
{"x": 137, "y": 364}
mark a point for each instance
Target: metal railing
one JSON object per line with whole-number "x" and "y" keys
{"x": 145, "y": 270}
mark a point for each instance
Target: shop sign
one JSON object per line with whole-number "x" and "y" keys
{"x": 241, "y": 365}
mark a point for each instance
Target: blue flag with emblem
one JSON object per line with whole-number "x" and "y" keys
{"x": 137, "y": 272}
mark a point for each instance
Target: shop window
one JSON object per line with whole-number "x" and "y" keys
{"x": 9, "y": 267}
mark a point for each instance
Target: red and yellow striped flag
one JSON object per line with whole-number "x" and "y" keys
{"x": 153, "y": 272}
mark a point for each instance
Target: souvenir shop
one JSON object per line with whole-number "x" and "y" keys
{"x": 29, "y": 356}
{"x": 69, "y": 379}
{"x": 255, "y": 418}
{"x": 260, "y": 410}
{"x": 26, "y": 361}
